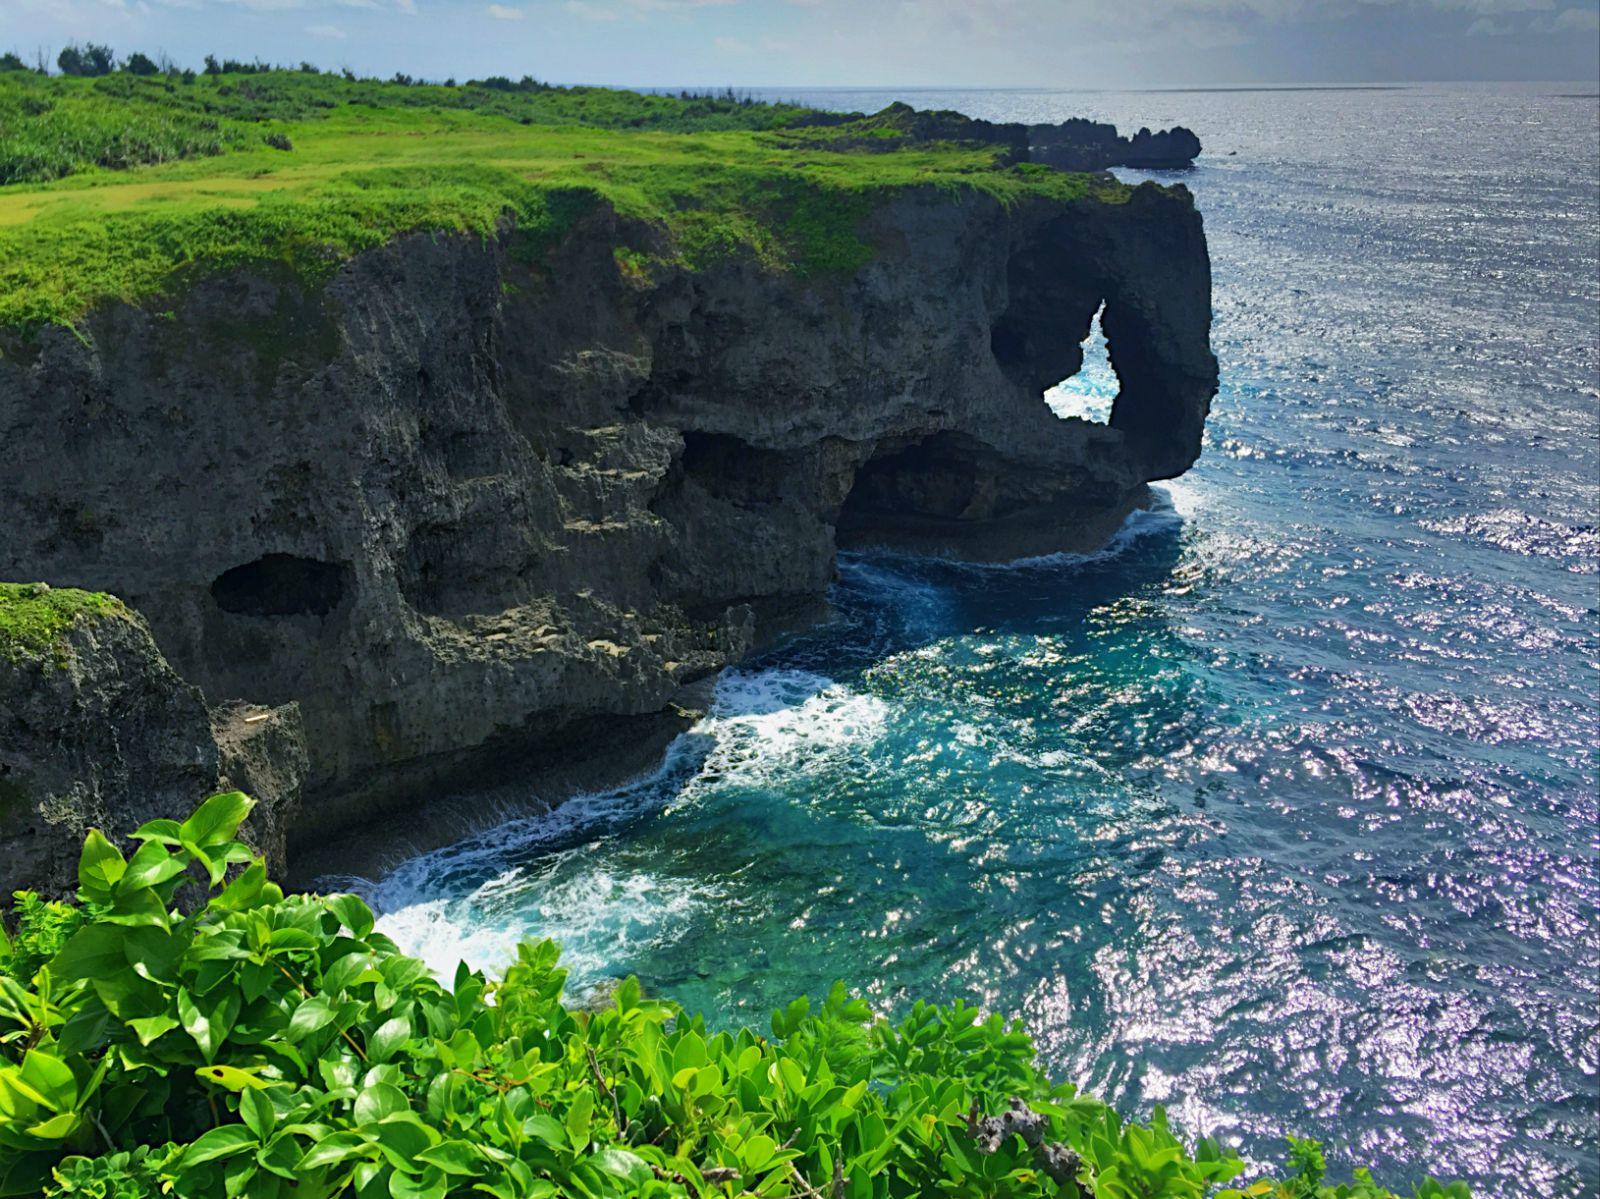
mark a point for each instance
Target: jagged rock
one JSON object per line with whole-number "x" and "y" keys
{"x": 457, "y": 506}
{"x": 100, "y": 732}
{"x": 1079, "y": 145}
{"x": 1075, "y": 144}
{"x": 988, "y": 1133}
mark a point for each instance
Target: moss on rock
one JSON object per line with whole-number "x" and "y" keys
{"x": 35, "y": 616}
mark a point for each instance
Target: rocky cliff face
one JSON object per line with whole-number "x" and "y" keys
{"x": 100, "y": 732}
{"x": 464, "y": 510}
{"x": 1075, "y": 144}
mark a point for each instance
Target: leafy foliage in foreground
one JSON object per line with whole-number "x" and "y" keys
{"x": 266, "y": 1045}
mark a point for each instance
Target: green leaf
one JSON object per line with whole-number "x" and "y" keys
{"x": 99, "y": 867}
{"x": 244, "y": 892}
{"x": 578, "y": 1118}
{"x": 312, "y": 1014}
{"x": 546, "y": 1128}
{"x": 431, "y": 1184}
{"x": 207, "y": 1025}
{"x": 162, "y": 831}
{"x": 380, "y": 1100}
{"x": 690, "y": 1052}
{"x": 352, "y": 912}
{"x": 56, "y": 1128}
{"x": 50, "y": 1080}
{"x": 216, "y": 821}
{"x": 454, "y": 1157}
{"x": 388, "y": 1037}
{"x": 256, "y": 1110}
{"x": 153, "y": 953}
{"x": 149, "y": 1028}
{"x": 339, "y": 1147}
{"x": 619, "y": 1163}
{"x": 142, "y": 908}
{"x": 94, "y": 952}
{"x": 219, "y": 1143}
{"x": 150, "y": 866}
{"x": 757, "y": 1151}
{"x": 404, "y": 1137}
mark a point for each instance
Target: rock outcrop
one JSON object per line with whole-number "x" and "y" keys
{"x": 1072, "y": 145}
{"x": 100, "y": 732}
{"x": 463, "y": 509}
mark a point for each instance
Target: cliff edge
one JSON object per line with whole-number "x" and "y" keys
{"x": 98, "y": 731}
{"x": 463, "y": 505}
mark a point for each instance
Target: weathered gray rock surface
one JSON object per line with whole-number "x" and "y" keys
{"x": 457, "y": 506}
{"x": 104, "y": 734}
{"x": 1075, "y": 144}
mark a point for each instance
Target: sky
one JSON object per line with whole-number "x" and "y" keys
{"x": 819, "y": 43}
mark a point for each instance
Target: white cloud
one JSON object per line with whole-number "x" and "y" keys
{"x": 1491, "y": 8}
{"x": 501, "y": 12}
{"x": 731, "y": 45}
{"x": 332, "y": 31}
{"x": 615, "y": 10}
{"x": 405, "y": 6}
{"x": 1570, "y": 20}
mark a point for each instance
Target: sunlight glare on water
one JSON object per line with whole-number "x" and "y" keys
{"x": 1282, "y": 812}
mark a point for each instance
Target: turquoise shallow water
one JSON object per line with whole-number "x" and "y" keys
{"x": 1283, "y": 811}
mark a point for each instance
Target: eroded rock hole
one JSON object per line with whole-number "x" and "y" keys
{"x": 1089, "y": 393}
{"x": 941, "y": 477}
{"x": 280, "y": 585}
{"x": 734, "y": 470}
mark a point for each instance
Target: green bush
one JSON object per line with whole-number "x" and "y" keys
{"x": 188, "y": 1029}
{"x": 92, "y": 59}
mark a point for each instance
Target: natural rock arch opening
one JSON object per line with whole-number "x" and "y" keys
{"x": 1090, "y": 392}
{"x": 281, "y": 585}
{"x": 1049, "y": 340}
{"x": 1156, "y": 319}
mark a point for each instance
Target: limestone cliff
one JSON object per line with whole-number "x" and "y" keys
{"x": 98, "y": 731}
{"x": 463, "y": 505}
{"x": 1075, "y": 144}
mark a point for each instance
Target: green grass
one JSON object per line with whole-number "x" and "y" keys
{"x": 370, "y": 161}
{"x": 33, "y": 618}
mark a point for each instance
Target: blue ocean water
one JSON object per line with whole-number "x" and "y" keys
{"x": 1282, "y": 812}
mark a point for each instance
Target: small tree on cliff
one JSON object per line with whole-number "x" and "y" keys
{"x": 89, "y": 59}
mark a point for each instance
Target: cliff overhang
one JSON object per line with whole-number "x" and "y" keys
{"x": 461, "y": 505}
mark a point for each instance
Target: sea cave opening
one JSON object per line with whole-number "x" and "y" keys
{"x": 280, "y": 585}
{"x": 935, "y": 478}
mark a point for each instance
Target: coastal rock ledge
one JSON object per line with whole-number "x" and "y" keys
{"x": 469, "y": 508}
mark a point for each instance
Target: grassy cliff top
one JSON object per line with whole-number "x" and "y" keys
{"x": 33, "y": 617}
{"x": 120, "y": 187}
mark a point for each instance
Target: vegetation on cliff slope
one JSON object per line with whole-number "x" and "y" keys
{"x": 33, "y": 616}
{"x": 121, "y": 186}
{"x": 240, "y": 1042}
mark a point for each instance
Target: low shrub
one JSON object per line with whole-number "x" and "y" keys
{"x": 189, "y": 1029}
